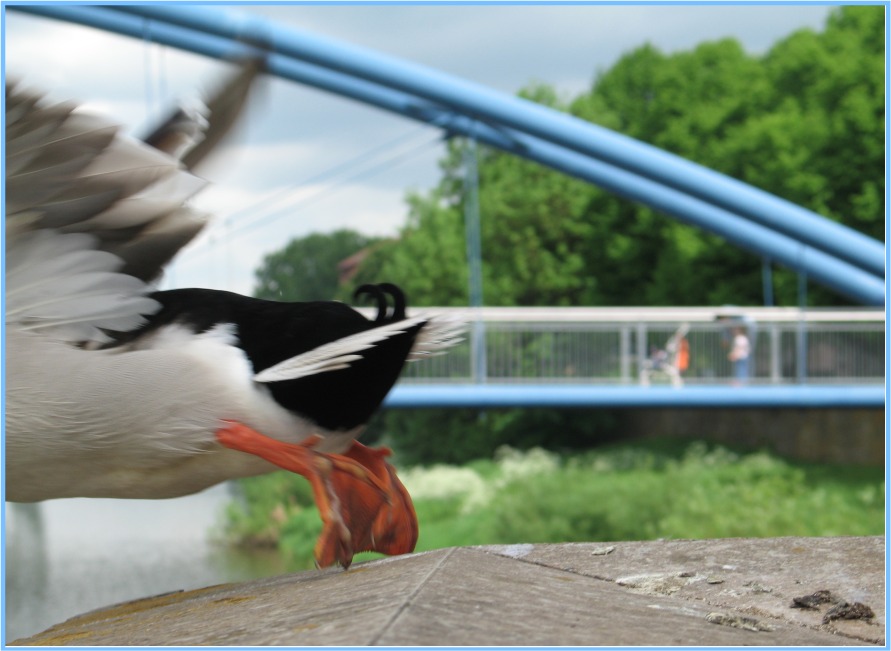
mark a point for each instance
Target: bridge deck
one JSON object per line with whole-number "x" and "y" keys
{"x": 575, "y": 395}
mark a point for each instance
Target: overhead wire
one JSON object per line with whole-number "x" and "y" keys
{"x": 282, "y": 193}
{"x": 382, "y": 166}
{"x": 273, "y": 212}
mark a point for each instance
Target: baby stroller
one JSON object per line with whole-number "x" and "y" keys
{"x": 671, "y": 361}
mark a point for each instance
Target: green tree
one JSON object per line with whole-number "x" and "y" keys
{"x": 306, "y": 269}
{"x": 428, "y": 260}
{"x": 427, "y": 436}
{"x": 804, "y": 122}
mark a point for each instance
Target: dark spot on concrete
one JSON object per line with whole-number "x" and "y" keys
{"x": 811, "y": 601}
{"x": 845, "y": 610}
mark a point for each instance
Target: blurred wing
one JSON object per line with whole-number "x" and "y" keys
{"x": 224, "y": 107}
{"x": 191, "y": 133}
{"x": 93, "y": 215}
{"x": 440, "y": 333}
{"x": 90, "y": 215}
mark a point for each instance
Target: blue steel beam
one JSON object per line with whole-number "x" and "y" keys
{"x": 840, "y": 276}
{"x": 545, "y": 123}
{"x": 490, "y": 396}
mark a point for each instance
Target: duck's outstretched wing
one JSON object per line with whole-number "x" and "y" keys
{"x": 81, "y": 197}
{"x": 190, "y": 133}
{"x": 91, "y": 216}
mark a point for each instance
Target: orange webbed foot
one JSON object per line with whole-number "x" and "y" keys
{"x": 362, "y": 503}
{"x": 395, "y": 529}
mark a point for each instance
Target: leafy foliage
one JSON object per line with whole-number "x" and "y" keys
{"x": 306, "y": 269}
{"x": 652, "y": 489}
{"x": 425, "y": 436}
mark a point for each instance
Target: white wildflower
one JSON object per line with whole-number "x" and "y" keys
{"x": 447, "y": 482}
{"x": 515, "y": 464}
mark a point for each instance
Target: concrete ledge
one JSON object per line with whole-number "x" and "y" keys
{"x": 711, "y": 592}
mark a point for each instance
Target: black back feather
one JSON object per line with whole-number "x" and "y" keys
{"x": 270, "y": 332}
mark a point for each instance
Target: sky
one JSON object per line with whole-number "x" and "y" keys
{"x": 305, "y": 161}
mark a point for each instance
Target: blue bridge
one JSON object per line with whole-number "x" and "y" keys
{"x": 622, "y": 357}
{"x": 566, "y": 358}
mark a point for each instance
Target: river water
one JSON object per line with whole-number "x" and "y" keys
{"x": 66, "y": 557}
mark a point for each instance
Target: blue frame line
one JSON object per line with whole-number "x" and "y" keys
{"x": 841, "y": 276}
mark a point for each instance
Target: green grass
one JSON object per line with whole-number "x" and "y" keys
{"x": 644, "y": 491}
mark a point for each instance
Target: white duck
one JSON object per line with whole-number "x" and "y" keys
{"x": 117, "y": 391}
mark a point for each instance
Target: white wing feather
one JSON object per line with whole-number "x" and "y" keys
{"x": 91, "y": 214}
{"x": 440, "y": 333}
{"x": 60, "y": 285}
{"x": 335, "y": 355}
{"x": 436, "y": 335}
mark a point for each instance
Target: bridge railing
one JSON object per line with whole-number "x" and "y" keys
{"x": 611, "y": 346}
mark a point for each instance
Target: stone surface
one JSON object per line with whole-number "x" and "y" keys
{"x": 712, "y": 592}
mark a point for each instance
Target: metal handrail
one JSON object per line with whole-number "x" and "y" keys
{"x": 622, "y": 346}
